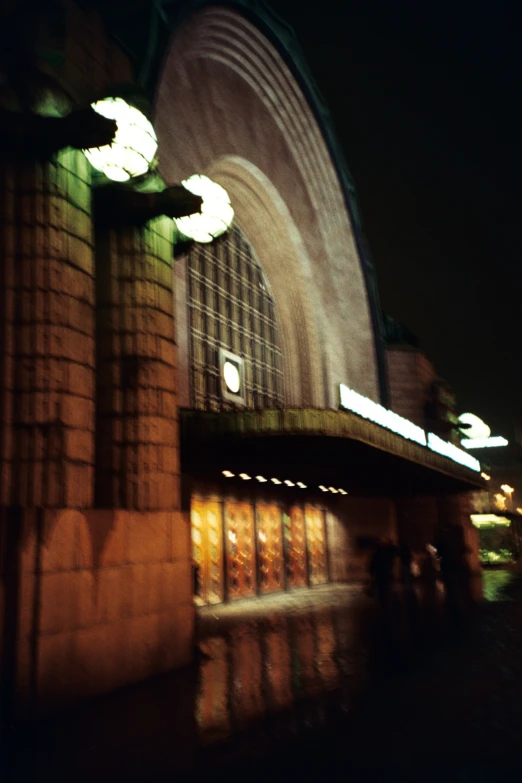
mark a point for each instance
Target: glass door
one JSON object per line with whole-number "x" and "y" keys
{"x": 207, "y": 550}
{"x": 316, "y": 542}
{"x": 269, "y": 547}
{"x": 240, "y": 551}
{"x": 295, "y": 547}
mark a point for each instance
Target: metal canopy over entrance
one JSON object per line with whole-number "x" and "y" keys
{"x": 318, "y": 448}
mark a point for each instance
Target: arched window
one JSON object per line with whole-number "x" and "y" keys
{"x": 231, "y": 307}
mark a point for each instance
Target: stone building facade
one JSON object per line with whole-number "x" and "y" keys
{"x": 97, "y": 353}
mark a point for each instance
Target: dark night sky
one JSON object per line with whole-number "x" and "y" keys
{"x": 426, "y": 101}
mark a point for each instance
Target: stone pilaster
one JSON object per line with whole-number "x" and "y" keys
{"x": 137, "y": 459}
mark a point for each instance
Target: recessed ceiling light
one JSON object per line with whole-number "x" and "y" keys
{"x": 245, "y": 476}
{"x": 289, "y": 483}
{"x": 343, "y": 492}
{"x": 323, "y": 489}
{"x": 300, "y": 484}
{"x": 228, "y": 473}
{"x": 275, "y": 481}
{"x": 261, "y": 478}
{"x": 332, "y": 489}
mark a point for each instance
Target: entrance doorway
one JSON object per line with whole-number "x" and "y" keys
{"x": 241, "y": 549}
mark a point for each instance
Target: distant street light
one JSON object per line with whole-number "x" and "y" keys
{"x": 509, "y": 492}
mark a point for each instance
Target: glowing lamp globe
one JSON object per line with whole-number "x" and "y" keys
{"x": 477, "y": 428}
{"x": 216, "y": 211}
{"x": 134, "y": 145}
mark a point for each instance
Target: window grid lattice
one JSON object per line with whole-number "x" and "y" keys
{"x": 230, "y": 307}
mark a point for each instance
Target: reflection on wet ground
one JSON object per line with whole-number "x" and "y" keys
{"x": 268, "y": 674}
{"x": 495, "y": 583}
{"x": 305, "y": 656}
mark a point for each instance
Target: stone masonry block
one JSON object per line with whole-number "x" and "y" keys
{"x": 114, "y": 594}
{"x": 176, "y": 584}
{"x": 146, "y": 586}
{"x": 108, "y": 531}
{"x": 79, "y": 445}
{"x": 67, "y": 601}
{"x": 79, "y": 485}
{"x": 147, "y": 537}
{"x": 78, "y": 251}
{"x": 180, "y": 535}
{"x": 77, "y": 412}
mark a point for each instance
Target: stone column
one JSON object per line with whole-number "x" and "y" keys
{"x": 47, "y": 333}
{"x": 137, "y": 464}
{"x": 47, "y": 381}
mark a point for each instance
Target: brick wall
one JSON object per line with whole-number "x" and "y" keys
{"x": 410, "y": 375}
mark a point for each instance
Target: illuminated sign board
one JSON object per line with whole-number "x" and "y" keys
{"x": 452, "y": 452}
{"x": 484, "y": 443}
{"x": 489, "y": 519}
{"x": 368, "y": 409}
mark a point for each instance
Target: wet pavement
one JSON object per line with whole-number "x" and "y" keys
{"x": 312, "y": 684}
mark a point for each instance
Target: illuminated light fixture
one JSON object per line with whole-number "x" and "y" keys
{"x": 332, "y": 489}
{"x": 232, "y": 536}
{"x": 500, "y": 501}
{"x": 489, "y": 519}
{"x": 216, "y": 211}
{"x": 476, "y": 428}
{"x": 343, "y": 492}
{"x": 228, "y": 473}
{"x": 134, "y": 145}
{"x": 519, "y": 510}
{"x": 262, "y": 479}
{"x": 232, "y": 377}
{"x": 485, "y": 476}
{"x": 262, "y": 536}
{"x": 301, "y": 485}
{"x": 323, "y": 489}
{"x": 289, "y": 483}
{"x": 368, "y": 409}
{"x": 507, "y": 489}
{"x": 275, "y": 481}
{"x": 245, "y": 476}
{"x": 484, "y": 443}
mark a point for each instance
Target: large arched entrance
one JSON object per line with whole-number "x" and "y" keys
{"x": 228, "y": 105}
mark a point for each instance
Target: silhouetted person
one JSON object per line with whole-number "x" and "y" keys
{"x": 381, "y": 570}
{"x": 408, "y": 584}
{"x": 428, "y": 576}
{"x": 454, "y": 572}
{"x": 406, "y": 561}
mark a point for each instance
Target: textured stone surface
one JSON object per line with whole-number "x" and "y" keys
{"x": 110, "y": 602}
{"x": 47, "y": 333}
{"x": 137, "y": 462}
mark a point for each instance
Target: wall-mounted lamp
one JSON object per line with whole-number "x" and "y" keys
{"x": 134, "y": 146}
{"x": 216, "y": 210}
